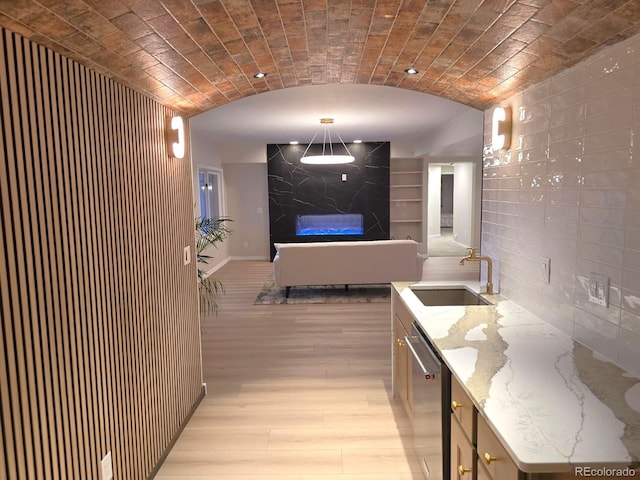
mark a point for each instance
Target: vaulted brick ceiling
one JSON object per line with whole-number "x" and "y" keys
{"x": 194, "y": 55}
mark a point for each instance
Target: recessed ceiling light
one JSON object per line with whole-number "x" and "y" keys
{"x": 260, "y": 75}
{"x": 293, "y": 142}
{"x": 357, "y": 141}
{"x": 411, "y": 71}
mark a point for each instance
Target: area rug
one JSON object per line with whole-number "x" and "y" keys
{"x": 272, "y": 294}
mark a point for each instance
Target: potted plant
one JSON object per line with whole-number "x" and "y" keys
{"x": 209, "y": 232}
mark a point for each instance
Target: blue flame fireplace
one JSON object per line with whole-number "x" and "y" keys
{"x": 329, "y": 224}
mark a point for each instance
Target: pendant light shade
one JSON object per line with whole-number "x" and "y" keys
{"x": 328, "y": 157}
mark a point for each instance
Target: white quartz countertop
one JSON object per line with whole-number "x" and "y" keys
{"x": 550, "y": 400}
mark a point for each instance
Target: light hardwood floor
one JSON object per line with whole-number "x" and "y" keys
{"x": 294, "y": 392}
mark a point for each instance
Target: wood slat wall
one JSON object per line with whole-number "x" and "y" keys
{"x": 99, "y": 339}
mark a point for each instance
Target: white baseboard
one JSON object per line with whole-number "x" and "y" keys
{"x": 210, "y": 272}
{"x": 258, "y": 257}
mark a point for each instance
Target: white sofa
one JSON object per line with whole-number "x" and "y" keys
{"x": 346, "y": 263}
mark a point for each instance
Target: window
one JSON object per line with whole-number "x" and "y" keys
{"x": 210, "y": 194}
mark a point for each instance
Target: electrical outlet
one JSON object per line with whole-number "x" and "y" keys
{"x": 187, "y": 255}
{"x": 545, "y": 268}
{"x": 599, "y": 289}
{"x": 107, "y": 467}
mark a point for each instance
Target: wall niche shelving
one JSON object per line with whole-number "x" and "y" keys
{"x": 406, "y": 201}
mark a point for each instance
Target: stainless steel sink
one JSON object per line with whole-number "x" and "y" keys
{"x": 438, "y": 296}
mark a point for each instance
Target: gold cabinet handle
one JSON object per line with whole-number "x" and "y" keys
{"x": 455, "y": 405}
{"x": 488, "y": 458}
{"x": 462, "y": 470}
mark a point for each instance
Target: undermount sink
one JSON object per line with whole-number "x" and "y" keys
{"x": 440, "y": 296}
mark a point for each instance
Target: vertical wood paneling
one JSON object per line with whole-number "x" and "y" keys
{"x": 99, "y": 338}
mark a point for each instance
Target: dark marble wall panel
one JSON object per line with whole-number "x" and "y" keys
{"x": 299, "y": 189}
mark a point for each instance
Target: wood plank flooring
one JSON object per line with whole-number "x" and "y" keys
{"x": 294, "y": 392}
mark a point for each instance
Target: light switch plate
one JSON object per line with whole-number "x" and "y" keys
{"x": 599, "y": 289}
{"x": 187, "y": 255}
{"x": 107, "y": 467}
{"x": 545, "y": 269}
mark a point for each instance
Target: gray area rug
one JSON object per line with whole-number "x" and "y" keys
{"x": 272, "y": 294}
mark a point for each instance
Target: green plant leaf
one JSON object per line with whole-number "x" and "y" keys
{"x": 209, "y": 231}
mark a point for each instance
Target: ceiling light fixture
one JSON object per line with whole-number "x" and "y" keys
{"x": 411, "y": 71}
{"x": 260, "y": 75}
{"x": 327, "y": 157}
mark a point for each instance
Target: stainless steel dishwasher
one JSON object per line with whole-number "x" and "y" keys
{"x": 431, "y": 399}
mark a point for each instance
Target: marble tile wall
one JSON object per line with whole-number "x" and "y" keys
{"x": 299, "y": 189}
{"x": 568, "y": 188}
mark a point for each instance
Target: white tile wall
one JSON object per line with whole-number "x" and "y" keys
{"x": 569, "y": 189}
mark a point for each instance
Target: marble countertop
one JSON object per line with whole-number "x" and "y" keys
{"x": 551, "y": 401}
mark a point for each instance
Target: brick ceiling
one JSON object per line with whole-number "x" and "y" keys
{"x": 194, "y": 55}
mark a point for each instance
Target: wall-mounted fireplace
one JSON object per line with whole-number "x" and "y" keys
{"x": 330, "y": 224}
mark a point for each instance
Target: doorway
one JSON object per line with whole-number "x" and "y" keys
{"x": 453, "y": 208}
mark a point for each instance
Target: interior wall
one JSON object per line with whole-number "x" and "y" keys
{"x": 433, "y": 200}
{"x": 208, "y": 155}
{"x": 466, "y": 205}
{"x": 248, "y": 207}
{"x": 461, "y": 136}
{"x": 568, "y": 189}
{"x": 99, "y": 345}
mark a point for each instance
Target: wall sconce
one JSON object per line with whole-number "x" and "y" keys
{"x": 175, "y": 136}
{"x": 501, "y": 128}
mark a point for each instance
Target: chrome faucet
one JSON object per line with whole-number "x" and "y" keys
{"x": 472, "y": 257}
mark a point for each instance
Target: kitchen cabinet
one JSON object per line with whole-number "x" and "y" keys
{"x": 493, "y": 455}
{"x": 482, "y": 474}
{"x": 462, "y": 409}
{"x": 406, "y": 209}
{"x": 402, "y": 381}
{"x": 463, "y": 433}
{"x": 463, "y": 454}
{"x": 402, "y": 367}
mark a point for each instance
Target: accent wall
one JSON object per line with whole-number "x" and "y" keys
{"x": 358, "y": 188}
{"x": 99, "y": 337}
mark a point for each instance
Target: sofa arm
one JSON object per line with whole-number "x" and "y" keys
{"x": 277, "y": 274}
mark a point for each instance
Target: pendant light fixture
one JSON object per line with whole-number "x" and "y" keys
{"x": 327, "y": 157}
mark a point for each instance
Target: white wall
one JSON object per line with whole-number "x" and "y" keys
{"x": 459, "y": 137}
{"x": 569, "y": 189}
{"x": 248, "y": 206}
{"x": 206, "y": 154}
{"x": 434, "y": 187}
{"x": 465, "y": 203}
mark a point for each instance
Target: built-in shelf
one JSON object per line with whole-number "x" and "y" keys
{"x": 407, "y": 199}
